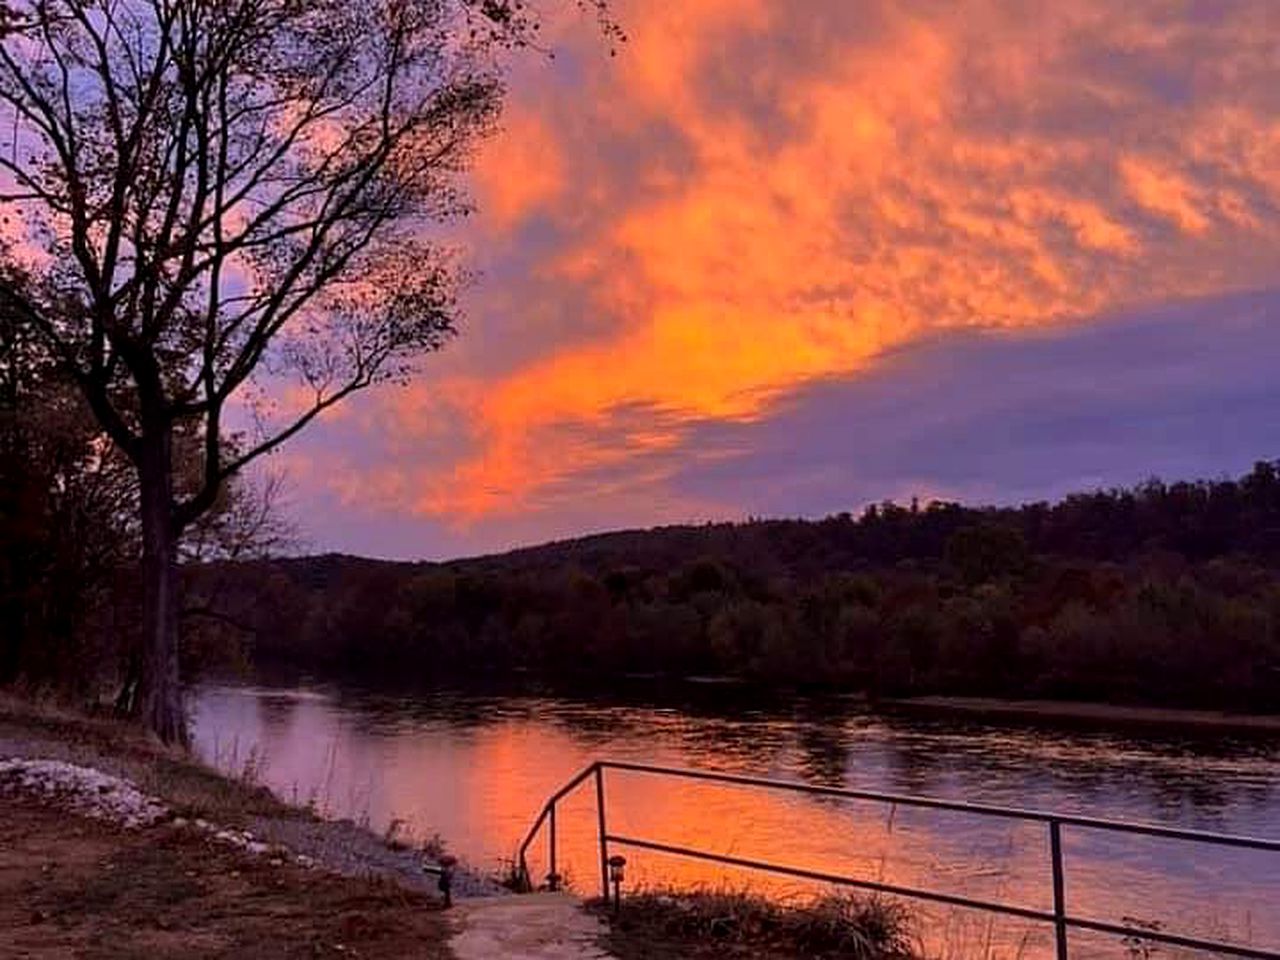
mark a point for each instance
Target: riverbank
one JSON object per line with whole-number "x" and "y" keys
{"x": 237, "y": 802}
{"x": 1089, "y": 714}
{"x": 113, "y": 847}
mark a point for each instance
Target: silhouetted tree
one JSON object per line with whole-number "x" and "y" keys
{"x": 69, "y": 537}
{"x": 226, "y": 190}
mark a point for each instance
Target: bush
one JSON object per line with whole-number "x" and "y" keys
{"x": 736, "y": 923}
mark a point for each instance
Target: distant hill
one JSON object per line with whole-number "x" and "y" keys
{"x": 1159, "y": 593}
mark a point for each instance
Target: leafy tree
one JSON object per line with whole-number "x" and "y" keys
{"x": 226, "y": 192}
{"x": 987, "y": 551}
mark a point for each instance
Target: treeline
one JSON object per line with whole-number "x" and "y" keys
{"x": 1166, "y": 593}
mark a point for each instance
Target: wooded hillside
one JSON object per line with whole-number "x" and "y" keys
{"x": 1166, "y": 593}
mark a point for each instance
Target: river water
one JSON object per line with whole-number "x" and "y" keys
{"x": 476, "y": 768}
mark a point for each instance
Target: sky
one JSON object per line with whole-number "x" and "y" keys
{"x": 789, "y": 257}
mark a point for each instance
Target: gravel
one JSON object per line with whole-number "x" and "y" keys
{"x": 348, "y": 849}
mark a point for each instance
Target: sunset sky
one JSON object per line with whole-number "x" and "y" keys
{"x": 786, "y": 257}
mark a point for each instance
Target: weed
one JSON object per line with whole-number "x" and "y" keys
{"x": 1137, "y": 946}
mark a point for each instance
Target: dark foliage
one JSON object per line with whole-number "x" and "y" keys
{"x": 69, "y": 538}
{"x": 729, "y": 924}
{"x": 1167, "y": 593}
{"x": 65, "y": 525}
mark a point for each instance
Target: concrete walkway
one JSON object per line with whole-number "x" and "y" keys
{"x": 536, "y": 926}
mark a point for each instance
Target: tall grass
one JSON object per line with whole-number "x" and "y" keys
{"x": 727, "y": 922}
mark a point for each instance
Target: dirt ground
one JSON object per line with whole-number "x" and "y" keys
{"x": 77, "y": 888}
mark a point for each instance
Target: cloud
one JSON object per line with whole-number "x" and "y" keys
{"x": 756, "y": 198}
{"x": 1185, "y": 390}
{"x": 519, "y": 172}
{"x": 1180, "y": 391}
{"x": 1166, "y": 194}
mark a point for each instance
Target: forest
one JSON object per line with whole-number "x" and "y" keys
{"x": 71, "y": 541}
{"x": 1166, "y": 593}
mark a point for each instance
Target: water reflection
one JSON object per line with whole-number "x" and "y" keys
{"x": 475, "y": 768}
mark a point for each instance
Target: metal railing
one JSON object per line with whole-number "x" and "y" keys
{"x": 1059, "y": 917}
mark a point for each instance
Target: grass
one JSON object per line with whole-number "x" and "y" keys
{"x": 727, "y": 923}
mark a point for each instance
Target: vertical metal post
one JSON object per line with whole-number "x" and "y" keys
{"x": 553, "y": 881}
{"x": 604, "y": 844}
{"x": 1059, "y": 889}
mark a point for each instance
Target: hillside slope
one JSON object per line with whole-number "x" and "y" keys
{"x": 1165, "y": 593}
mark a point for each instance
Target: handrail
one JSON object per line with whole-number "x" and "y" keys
{"x": 548, "y": 810}
{"x": 1059, "y": 916}
{"x": 958, "y": 806}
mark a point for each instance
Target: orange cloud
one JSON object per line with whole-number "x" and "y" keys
{"x": 1165, "y": 193}
{"x": 520, "y": 171}
{"x": 754, "y": 196}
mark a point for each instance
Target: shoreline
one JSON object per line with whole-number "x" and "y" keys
{"x": 1085, "y": 713}
{"x": 196, "y": 791}
{"x": 114, "y": 847}
{"x": 657, "y": 688}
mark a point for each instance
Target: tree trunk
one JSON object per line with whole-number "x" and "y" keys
{"x": 159, "y": 700}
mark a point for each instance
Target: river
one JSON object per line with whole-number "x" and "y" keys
{"x": 475, "y": 768}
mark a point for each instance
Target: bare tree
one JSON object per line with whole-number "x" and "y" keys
{"x": 223, "y": 190}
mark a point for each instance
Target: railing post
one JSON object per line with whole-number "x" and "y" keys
{"x": 1059, "y": 889}
{"x": 604, "y": 844}
{"x": 553, "y": 880}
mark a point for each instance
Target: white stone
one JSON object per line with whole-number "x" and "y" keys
{"x": 83, "y": 790}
